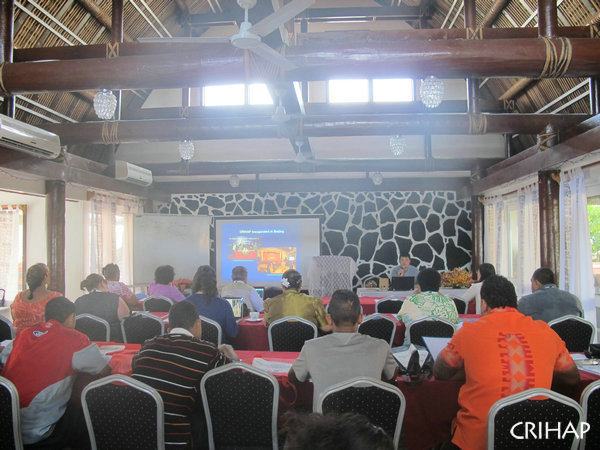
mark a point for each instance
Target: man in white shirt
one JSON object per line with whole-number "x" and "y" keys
{"x": 345, "y": 353}
{"x": 239, "y": 287}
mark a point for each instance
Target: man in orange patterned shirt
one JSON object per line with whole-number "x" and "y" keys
{"x": 503, "y": 353}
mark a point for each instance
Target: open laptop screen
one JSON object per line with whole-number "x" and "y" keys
{"x": 403, "y": 283}
{"x": 261, "y": 292}
{"x": 237, "y": 305}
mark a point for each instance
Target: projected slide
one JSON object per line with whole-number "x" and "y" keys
{"x": 267, "y": 248}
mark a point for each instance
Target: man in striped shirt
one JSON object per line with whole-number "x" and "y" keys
{"x": 174, "y": 364}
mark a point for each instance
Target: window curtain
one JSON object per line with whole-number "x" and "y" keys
{"x": 495, "y": 239}
{"x": 110, "y": 234}
{"x": 528, "y": 257}
{"x": 575, "y": 270}
{"x": 10, "y": 253}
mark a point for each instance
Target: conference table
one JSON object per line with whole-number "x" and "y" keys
{"x": 430, "y": 405}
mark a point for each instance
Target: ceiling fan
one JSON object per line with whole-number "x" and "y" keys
{"x": 250, "y": 36}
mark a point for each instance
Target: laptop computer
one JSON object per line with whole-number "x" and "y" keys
{"x": 261, "y": 292}
{"x": 403, "y": 283}
{"x": 237, "y": 305}
{"x": 435, "y": 344}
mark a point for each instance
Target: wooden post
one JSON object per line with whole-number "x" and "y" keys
{"x": 472, "y": 83}
{"x": 549, "y": 220}
{"x": 547, "y": 18}
{"x": 6, "y": 50}
{"x": 594, "y": 100}
{"x": 117, "y": 36}
{"x": 477, "y": 217}
{"x": 55, "y": 233}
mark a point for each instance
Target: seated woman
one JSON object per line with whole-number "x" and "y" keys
{"x": 292, "y": 303}
{"x": 473, "y": 293}
{"x": 101, "y": 303}
{"x": 208, "y": 303}
{"x": 112, "y": 273}
{"x": 29, "y": 305}
{"x": 163, "y": 277}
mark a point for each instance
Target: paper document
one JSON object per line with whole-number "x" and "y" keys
{"x": 106, "y": 349}
{"x": 435, "y": 344}
{"x": 590, "y": 366}
{"x": 271, "y": 366}
{"x": 578, "y": 356}
{"x": 403, "y": 355}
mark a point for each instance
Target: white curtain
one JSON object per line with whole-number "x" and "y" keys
{"x": 495, "y": 238}
{"x": 575, "y": 245}
{"x": 10, "y": 251}
{"x": 528, "y": 256}
{"x": 110, "y": 237}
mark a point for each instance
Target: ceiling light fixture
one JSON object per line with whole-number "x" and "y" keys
{"x": 186, "y": 149}
{"x": 397, "y": 144}
{"x": 377, "y": 178}
{"x": 105, "y": 104}
{"x": 234, "y": 181}
{"x": 432, "y": 91}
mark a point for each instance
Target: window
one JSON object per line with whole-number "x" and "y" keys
{"x": 236, "y": 95}
{"x": 513, "y": 240}
{"x": 594, "y": 218}
{"x": 12, "y": 249}
{"x": 348, "y": 91}
{"x": 258, "y": 94}
{"x": 393, "y": 90}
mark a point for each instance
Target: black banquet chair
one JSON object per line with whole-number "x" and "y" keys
{"x": 157, "y": 303}
{"x": 428, "y": 326}
{"x": 96, "y": 328}
{"x": 10, "y": 416}
{"x": 211, "y": 331}
{"x": 555, "y": 411}
{"x": 289, "y": 334}
{"x": 577, "y": 333}
{"x": 379, "y": 326}
{"x": 240, "y": 405}
{"x": 381, "y": 403}
{"x": 388, "y": 305}
{"x": 140, "y": 326}
{"x": 123, "y": 413}
{"x": 7, "y": 330}
{"x": 590, "y": 402}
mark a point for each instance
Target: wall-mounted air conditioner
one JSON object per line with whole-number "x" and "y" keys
{"x": 132, "y": 173}
{"x": 21, "y": 136}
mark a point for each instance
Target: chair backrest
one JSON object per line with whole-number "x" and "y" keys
{"x": 157, "y": 303}
{"x": 461, "y": 305}
{"x": 10, "y": 416}
{"x": 211, "y": 331}
{"x": 240, "y": 405}
{"x": 388, "y": 305}
{"x": 379, "y": 326}
{"x": 507, "y": 417}
{"x": 590, "y": 402}
{"x": 96, "y": 328}
{"x": 121, "y": 412}
{"x": 577, "y": 333}
{"x": 428, "y": 326}
{"x": 289, "y": 334}
{"x": 381, "y": 403}
{"x": 7, "y": 331}
{"x": 140, "y": 326}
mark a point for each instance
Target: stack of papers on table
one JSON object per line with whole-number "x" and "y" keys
{"x": 585, "y": 364}
{"x": 271, "y": 366}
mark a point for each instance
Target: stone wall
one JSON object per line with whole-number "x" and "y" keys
{"x": 372, "y": 227}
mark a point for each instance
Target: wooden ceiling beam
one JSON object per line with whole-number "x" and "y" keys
{"x": 131, "y": 131}
{"x": 493, "y": 13}
{"x": 98, "y": 13}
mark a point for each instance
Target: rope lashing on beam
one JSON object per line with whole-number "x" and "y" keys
{"x": 556, "y": 63}
{"x": 477, "y": 124}
{"x": 110, "y": 132}
{"x": 112, "y": 50}
{"x": 4, "y": 91}
{"x": 546, "y": 137}
{"x": 475, "y": 34}
{"x": 594, "y": 31}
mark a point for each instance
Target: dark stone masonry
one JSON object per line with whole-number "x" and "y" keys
{"x": 372, "y": 227}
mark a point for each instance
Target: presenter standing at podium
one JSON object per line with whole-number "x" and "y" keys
{"x": 405, "y": 269}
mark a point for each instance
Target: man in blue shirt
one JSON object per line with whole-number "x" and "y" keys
{"x": 547, "y": 302}
{"x": 404, "y": 269}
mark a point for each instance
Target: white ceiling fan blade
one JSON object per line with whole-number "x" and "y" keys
{"x": 266, "y": 52}
{"x": 186, "y": 40}
{"x": 282, "y": 15}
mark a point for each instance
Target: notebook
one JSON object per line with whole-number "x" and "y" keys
{"x": 403, "y": 283}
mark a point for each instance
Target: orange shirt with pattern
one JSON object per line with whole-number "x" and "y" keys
{"x": 25, "y": 313}
{"x": 502, "y": 353}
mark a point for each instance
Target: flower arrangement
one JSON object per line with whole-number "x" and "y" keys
{"x": 457, "y": 278}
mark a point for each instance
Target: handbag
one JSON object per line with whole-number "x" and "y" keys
{"x": 415, "y": 372}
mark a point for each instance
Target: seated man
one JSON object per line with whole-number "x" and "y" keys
{"x": 239, "y": 287}
{"x": 42, "y": 362}
{"x": 501, "y": 354}
{"x": 427, "y": 301}
{"x": 547, "y": 302}
{"x": 404, "y": 269}
{"x": 174, "y": 364}
{"x": 345, "y": 353}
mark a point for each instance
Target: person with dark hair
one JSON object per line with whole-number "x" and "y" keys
{"x": 474, "y": 292}
{"x": 28, "y": 306}
{"x": 502, "y": 353}
{"x": 174, "y": 364}
{"x": 292, "y": 303}
{"x": 208, "y": 303}
{"x": 547, "y": 302}
{"x": 112, "y": 274}
{"x": 163, "y": 277}
{"x": 349, "y": 431}
{"x": 427, "y": 301}
{"x": 345, "y": 353}
{"x": 42, "y": 363}
{"x": 101, "y": 303}
{"x": 239, "y": 287}
{"x": 405, "y": 268}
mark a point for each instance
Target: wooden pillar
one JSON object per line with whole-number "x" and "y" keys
{"x": 594, "y": 96}
{"x": 6, "y": 50}
{"x": 547, "y": 18}
{"x": 477, "y": 217}
{"x": 549, "y": 219}
{"x": 472, "y": 83}
{"x": 117, "y": 36}
{"x": 55, "y": 233}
